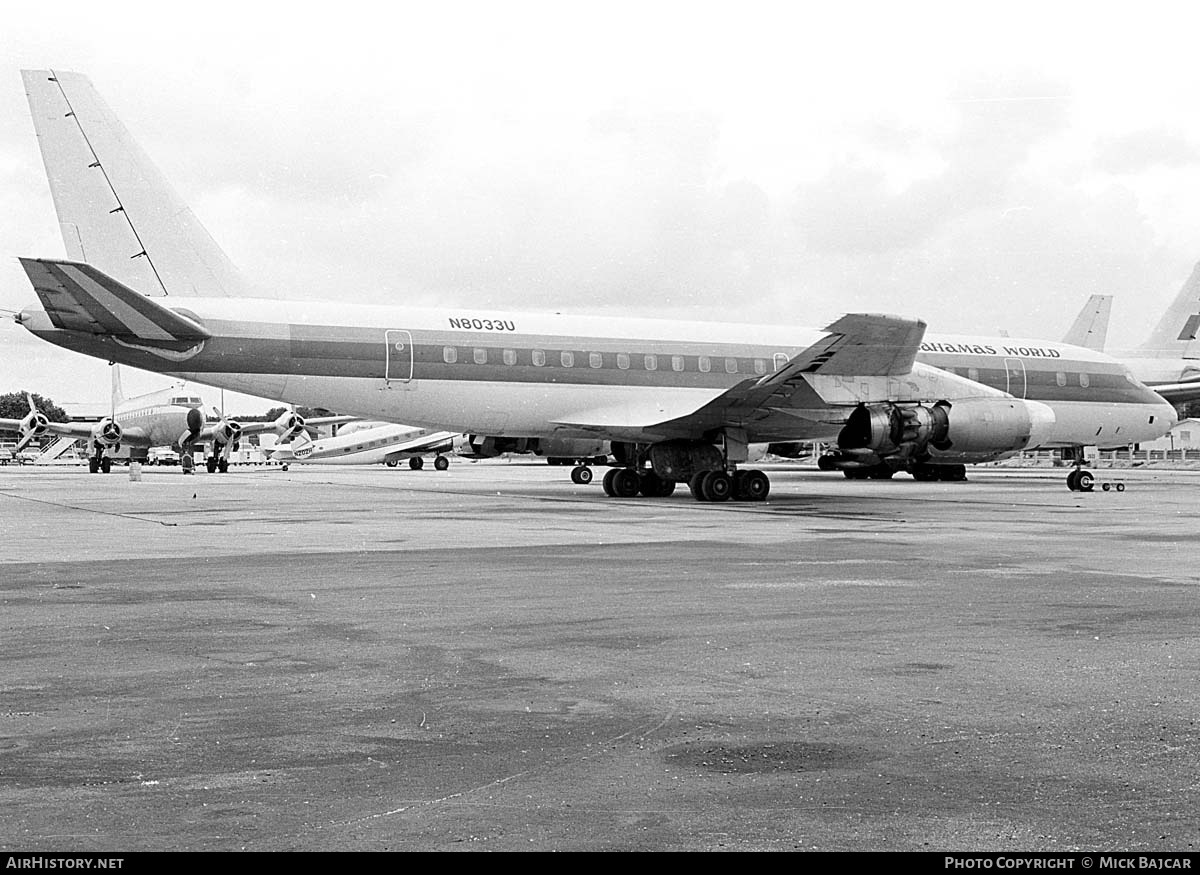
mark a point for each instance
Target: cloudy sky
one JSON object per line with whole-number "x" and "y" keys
{"x": 750, "y": 162}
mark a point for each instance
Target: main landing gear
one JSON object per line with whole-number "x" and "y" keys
{"x": 582, "y": 475}
{"x": 1080, "y": 480}
{"x": 718, "y": 485}
{"x": 628, "y": 482}
{"x": 99, "y": 463}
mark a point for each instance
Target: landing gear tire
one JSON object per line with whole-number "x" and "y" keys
{"x": 93, "y": 465}
{"x": 1080, "y": 480}
{"x": 416, "y": 463}
{"x": 621, "y": 483}
{"x": 751, "y": 485}
{"x": 391, "y": 463}
{"x": 441, "y": 463}
{"x": 951, "y": 473}
{"x": 924, "y": 473}
{"x": 581, "y": 474}
{"x": 653, "y": 486}
{"x": 210, "y": 465}
{"x": 716, "y": 486}
{"x": 105, "y": 465}
{"x": 626, "y": 483}
{"x": 222, "y": 466}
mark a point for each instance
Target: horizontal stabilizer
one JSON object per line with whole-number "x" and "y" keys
{"x": 78, "y": 297}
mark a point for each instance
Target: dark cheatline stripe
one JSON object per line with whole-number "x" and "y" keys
{"x": 361, "y": 353}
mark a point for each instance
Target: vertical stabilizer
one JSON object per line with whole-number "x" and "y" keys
{"x": 118, "y": 396}
{"x": 115, "y": 209}
{"x": 1090, "y": 329}
{"x": 1175, "y": 335}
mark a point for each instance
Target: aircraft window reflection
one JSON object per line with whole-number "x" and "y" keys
{"x": 623, "y": 361}
{"x": 704, "y": 363}
{"x": 449, "y": 354}
{"x": 760, "y": 367}
{"x": 651, "y": 362}
{"x": 539, "y": 357}
{"x": 595, "y": 359}
{"x": 973, "y": 374}
{"x": 480, "y": 356}
{"x": 780, "y": 360}
{"x": 1060, "y": 378}
{"x": 1085, "y": 380}
{"x": 568, "y": 359}
{"x": 731, "y": 366}
{"x": 677, "y": 363}
{"x": 510, "y": 356}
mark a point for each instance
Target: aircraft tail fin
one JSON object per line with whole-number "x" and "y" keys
{"x": 115, "y": 208}
{"x": 118, "y": 395}
{"x": 1090, "y": 328}
{"x": 79, "y": 297}
{"x": 1177, "y": 330}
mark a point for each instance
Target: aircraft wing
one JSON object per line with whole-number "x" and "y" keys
{"x": 65, "y": 429}
{"x": 440, "y": 441}
{"x": 82, "y": 430}
{"x": 249, "y": 428}
{"x": 858, "y": 345}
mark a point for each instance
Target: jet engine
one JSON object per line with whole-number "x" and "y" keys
{"x": 478, "y": 446}
{"x": 571, "y": 449}
{"x": 973, "y": 430}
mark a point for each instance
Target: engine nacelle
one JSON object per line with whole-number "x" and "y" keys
{"x": 570, "y": 448}
{"x": 289, "y": 423}
{"x": 478, "y": 446}
{"x": 34, "y": 424}
{"x": 681, "y": 459}
{"x": 227, "y": 431}
{"x": 195, "y": 422}
{"x": 107, "y": 433}
{"x": 972, "y": 430}
{"x": 790, "y": 450}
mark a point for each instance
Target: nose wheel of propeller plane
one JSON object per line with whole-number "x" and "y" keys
{"x": 581, "y": 474}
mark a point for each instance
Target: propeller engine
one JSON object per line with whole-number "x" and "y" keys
{"x": 107, "y": 433}
{"x": 33, "y": 425}
{"x": 195, "y": 422}
{"x": 289, "y": 424}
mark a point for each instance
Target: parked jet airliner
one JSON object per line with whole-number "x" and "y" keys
{"x": 681, "y": 401}
{"x": 1168, "y": 361}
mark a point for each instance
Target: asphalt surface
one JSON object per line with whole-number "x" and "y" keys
{"x": 494, "y": 658}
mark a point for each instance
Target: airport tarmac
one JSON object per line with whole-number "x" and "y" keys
{"x": 494, "y": 658}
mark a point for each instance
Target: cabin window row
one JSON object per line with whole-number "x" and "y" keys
{"x": 1062, "y": 378}
{"x": 624, "y": 361}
